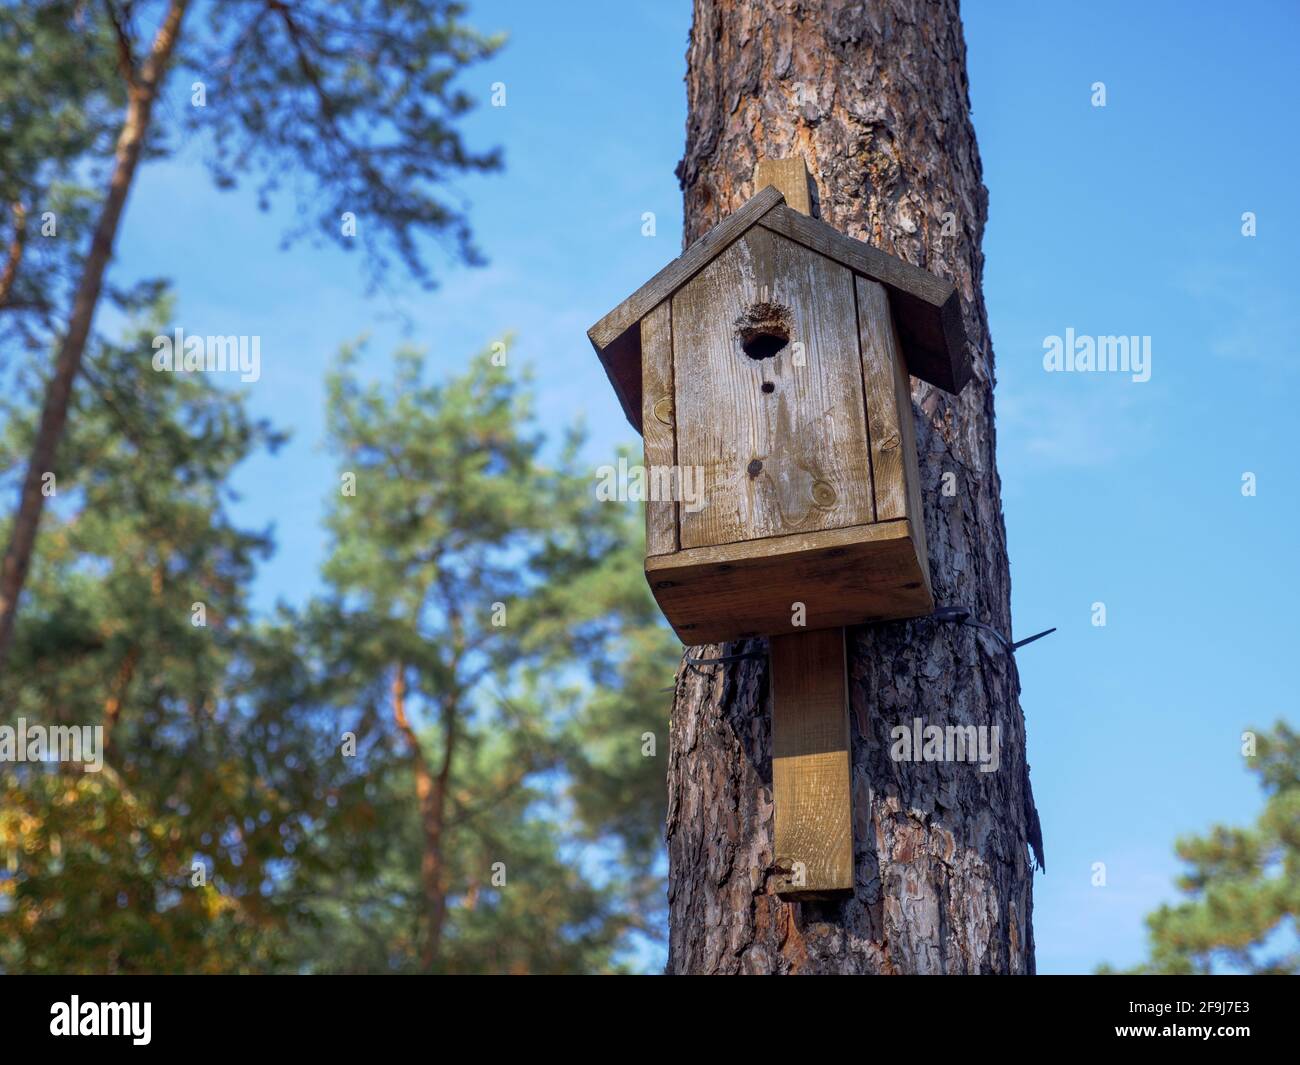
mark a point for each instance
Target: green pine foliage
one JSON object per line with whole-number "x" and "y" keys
{"x": 60, "y": 104}
{"x": 137, "y": 547}
{"x": 1242, "y": 885}
{"x": 497, "y": 584}
{"x": 259, "y": 808}
{"x": 266, "y": 799}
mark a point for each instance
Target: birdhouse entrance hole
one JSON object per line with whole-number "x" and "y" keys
{"x": 764, "y": 330}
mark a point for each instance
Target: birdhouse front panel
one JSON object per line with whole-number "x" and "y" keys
{"x": 767, "y": 387}
{"x": 767, "y": 368}
{"x": 788, "y": 522}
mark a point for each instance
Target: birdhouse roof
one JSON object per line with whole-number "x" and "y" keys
{"x": 926, "y": 309}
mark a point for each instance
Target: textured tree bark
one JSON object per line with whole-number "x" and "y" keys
{"x": 874, "y": 96}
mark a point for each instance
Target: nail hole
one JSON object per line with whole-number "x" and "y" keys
{"x": 768, "y": 386}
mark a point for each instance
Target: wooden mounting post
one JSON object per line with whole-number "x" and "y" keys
{"x": 811, "y": 767}
{"x": 792, "y": 180}
{"x": 811, "y": 763}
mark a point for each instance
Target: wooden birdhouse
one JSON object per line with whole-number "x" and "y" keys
{"x": 767, "y": 371}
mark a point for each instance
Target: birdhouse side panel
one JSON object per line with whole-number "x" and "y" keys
{"x": 768, "y": 386}
{"x": 890, "y": 416}
{"x": 662, "y": 487}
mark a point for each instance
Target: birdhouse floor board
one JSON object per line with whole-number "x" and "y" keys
{"x": 841, "y": 576}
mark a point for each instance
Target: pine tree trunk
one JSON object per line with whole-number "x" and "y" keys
{"x": 874, "y": 97}
{"x": 142, "y": 94}
{"x": 14, "y": 256}
{"x": 431, "y": 795}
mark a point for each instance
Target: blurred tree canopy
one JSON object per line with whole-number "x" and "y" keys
{"x": 468, "y": 632}
{"x": 60, "y": 109}
{"x": 353, "y": 103}
{"x": 98, "y": 867}
{"x": 1242, "y": 912}
{"x": 436, "y": 764}
{"x": 448, "y": 759}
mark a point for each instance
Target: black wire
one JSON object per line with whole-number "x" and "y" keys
{"x": 958, "y": 615}
{"x": 692, "y": 663}
{"x": 724, "y": 658}
{"x": 961, "y": 615}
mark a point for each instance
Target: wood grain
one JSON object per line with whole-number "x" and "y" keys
{"x": 683, "y": 268}
{"x": 792, "y": 459}
{"x": 879, "y": 382}
{"x": 891, "y": 419}
{"x": 911, "y": 466}
{"x": 927, "y": 309}
{"x": 842, "y": 576}
{"x": 617, "y": 336}
{"x": 813, "y": 831}
{"x": 657, "y": 433}
{"x": 790, "y": 177}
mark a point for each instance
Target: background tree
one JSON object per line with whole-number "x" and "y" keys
{"x": 618, "y": 740}
{"x": 355, "y": 99}
{"x": 139, "y": 623}
{"x": 342, "y": 821}
{"x": 475, "y": 594}
{"x": 1242, "y": 912}
{"x": 874, "y": 97}
{"x": 61, "y": 104}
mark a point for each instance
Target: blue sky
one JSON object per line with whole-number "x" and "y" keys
{"x": 1117, "y": 220}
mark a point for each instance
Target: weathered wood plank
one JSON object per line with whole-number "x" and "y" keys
{"x": 927, "y": 309}
{"x": 622, "y": 363}
{"x": 811, "y": 789}
{"x": 657, "y": 426}
{"x": 781, "y": 440}
{"x": 879, "y": 382}
{"x": 911, "y": 465}
{"x": 682, "y": 269}
{"x": 617, "y": 338}
{"x": 842, "y": 576}
{"x": 790, "y": 177}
